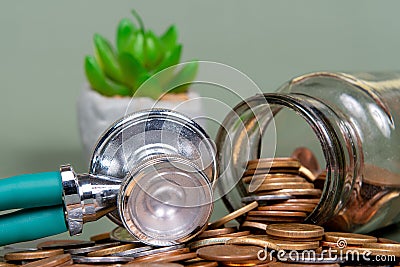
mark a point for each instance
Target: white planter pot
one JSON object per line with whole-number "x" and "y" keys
{"x": 97, "y": 112}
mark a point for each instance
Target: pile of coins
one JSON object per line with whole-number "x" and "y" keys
{"x": 285, "y": 244}
{"x": 282, "y": 193}
{"x": 283, "y": 187}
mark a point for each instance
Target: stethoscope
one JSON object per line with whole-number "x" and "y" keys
{"x": 152, "y": 171}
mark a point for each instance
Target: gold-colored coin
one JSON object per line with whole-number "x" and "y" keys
{"x": 295, "y": 230}
{"x": 257, "y": 225}
{"x": 208, "y": 242}
{"x": 233, "y": 215}
{"x": 223, "y": 253}
{"x": 271, "y": 177}
{"x": 32, "y": 255}
{"x": 290, "y": 207}
{"x": 5, "y": 264}
{"x": 297, "y": 192}
{"x": 264, "y": 243}
{"x": 50, "y": 262}
{"x": 277, "y": 213}
{"x": 278, "y": 186}
{"x": 100, "y": 237}
{"x": 112, "y": 250}
{"x": 350, "y": 238}
{"x": 216, "y": 232}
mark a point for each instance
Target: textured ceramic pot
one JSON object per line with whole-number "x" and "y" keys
{"x": 97, "y": 112}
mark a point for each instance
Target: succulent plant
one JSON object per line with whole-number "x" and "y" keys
{"x": 139, "y": 54}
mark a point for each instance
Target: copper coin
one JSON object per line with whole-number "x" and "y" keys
{"x": 252, "y": 172}
{"x": 78, "y": 251}
{"x": 65, "y": 244}
{"x": 237, "y": 234}
{"x": 149, "y": 264}
{"x": 350, "y": 238}
{"x": 228, "y": 253}
{"x": 284, "y": 163}
{"x": 242, "y": 263}
{"x": 32, "y": 255}
{"x": 50, "y": 262}
{"x": 233, "y": 215}
{"x": 295, "y": 230}
{"x": 111, "y": 250}
{"x": 275, "y": 219}
{"x": 298, "y": 192}
{"x": 271, "y": 176}
{"x": 281, "y": 244}
{"x": 166, "y": 257}
{"x": 216, "y": 232}
{"x": 177, "y": 249}
{"x": 278, "y": 186}
{"x": 277, "y": 213}
{"x": 307, "y": 158}
{"x": 257, "y": 225}
{"x": 306, "y": 173}
{"x": 393, "y": 247}
{"x": 100, "y": 237}
{"x": 253, "y": 240}
{"x": 386, "y": 240}
{"x": 303, "y": 200}
{"x": 203, "y": 264}
{"x": 291, "y": 207}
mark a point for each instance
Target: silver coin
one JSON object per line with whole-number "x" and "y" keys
{"x": 120, "y": 234}
{"x": 109, "y": 259}
{"x": 132, "y": 252}
{"x": 79, "y": 251}
{"x": 157, "y": 250}
{"x": 266, "y": 198}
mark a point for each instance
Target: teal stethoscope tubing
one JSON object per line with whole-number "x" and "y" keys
{"x": 39, "y": 196}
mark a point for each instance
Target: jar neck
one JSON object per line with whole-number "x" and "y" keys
{"x": 340, "y": 145}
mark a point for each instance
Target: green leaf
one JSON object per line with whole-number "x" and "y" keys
{"x": 138, "y": 47}
{"x": 99, "y": 82}
{"x": 133, "y": 71}
{"x": 107, "y": 59}
{"x": 170, "y": 38}
{"x": 182, "y": 80}
{"x": 149, "y": 87}
{"x": 171, "y": 58}
{"x": 153, "y": 50}
{"x": 125, "y": 34}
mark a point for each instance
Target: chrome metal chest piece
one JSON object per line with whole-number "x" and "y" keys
{"x": 153, "y": 172}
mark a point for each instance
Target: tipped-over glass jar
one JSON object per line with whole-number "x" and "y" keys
{"x": 352, "y": 119}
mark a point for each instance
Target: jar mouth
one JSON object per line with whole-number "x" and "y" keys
{"x": 322, "y": 120}
{"x": 335, "y": 139}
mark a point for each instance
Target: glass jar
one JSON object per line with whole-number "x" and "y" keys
{"x": 351, "y": 117}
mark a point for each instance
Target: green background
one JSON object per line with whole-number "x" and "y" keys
{"x": 43, "y": 42}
